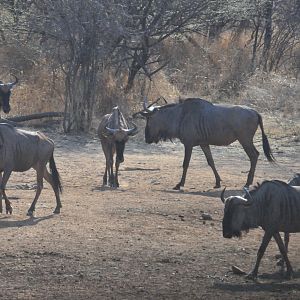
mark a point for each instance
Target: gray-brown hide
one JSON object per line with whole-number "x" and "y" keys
{"x": 273, "y": 205}
{"x": 21, "y": 150}
{"x": 197, "y": 122}
{"x": 295, "y": 181}
{"x": 114, "y": 132}
{"x": 5, "y": 91}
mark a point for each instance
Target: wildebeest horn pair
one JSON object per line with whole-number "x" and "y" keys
{"x": 250, "y": 199}
{"x": 10, "y": 84}
{"x": 131, "y": 131}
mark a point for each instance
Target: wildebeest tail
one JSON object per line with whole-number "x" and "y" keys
{"x": 55, "y": 174}
{"x": 266, "y": 145}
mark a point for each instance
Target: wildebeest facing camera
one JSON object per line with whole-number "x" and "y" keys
{"x": 5, "y": 92}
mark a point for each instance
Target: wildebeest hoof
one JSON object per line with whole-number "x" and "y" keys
{"x": 57, "y": 210}
{"x": 280, "y": 262}
{"x": 251, "y": 276}
{"x": 30, "y": 213}
{"x": 9, "y": 210}
{"x": 218, "y": 185}
{"x": 289, "y": 275}
{"x": 177, "y": 187}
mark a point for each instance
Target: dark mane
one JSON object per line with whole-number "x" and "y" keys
{"x": 259, "y": 185}
{"x": 197, "y": 99}
{"x": 167, "y": 106}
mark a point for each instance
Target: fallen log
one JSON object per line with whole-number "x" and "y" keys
{"x": 34, "y": 116}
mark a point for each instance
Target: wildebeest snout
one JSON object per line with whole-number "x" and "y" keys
{"x": 6, "y": 109}
{"x": 227, "y": 235}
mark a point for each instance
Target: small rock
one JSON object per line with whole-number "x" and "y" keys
{"x": 206, "y": 216}
{"x": 237, "y": 270}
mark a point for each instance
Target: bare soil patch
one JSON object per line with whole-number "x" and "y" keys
{"x": 142, "y": 240}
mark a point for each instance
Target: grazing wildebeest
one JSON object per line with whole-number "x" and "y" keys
{"x": 274, "y": 205}
{"x": 197, "y": 122}
{"x": 21, "y": 150}
{"x": 114, "y": 132}
{"x": 5, "y": 91}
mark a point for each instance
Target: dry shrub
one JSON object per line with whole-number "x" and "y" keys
{"x": 35, "y": 94}
{"x": 277, "y": 96}
{"x": 111, "y": 92}
{"x": 212, "y": 69}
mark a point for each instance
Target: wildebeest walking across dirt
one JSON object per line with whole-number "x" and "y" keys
{"x": 197, "y": 122}
{"x": 21, "y": 150}
{"x": 114, "y": 132}
{"x": 274, "y": 205}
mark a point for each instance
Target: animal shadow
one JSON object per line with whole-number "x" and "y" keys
{"x": 214, "y": 193}
{"x": 265, "y": 283}
{"x": 5, "y": 222}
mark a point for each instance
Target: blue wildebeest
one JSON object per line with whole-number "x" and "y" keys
{"x": 197, "y": 122}
{"x": 5, "y": 91}
{"x": 114, "y": 132}
{"x": 21, "y": 150}
{"x": 274, "y": 205}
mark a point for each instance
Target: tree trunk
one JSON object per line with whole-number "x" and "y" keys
{"x": 268, "y": 11}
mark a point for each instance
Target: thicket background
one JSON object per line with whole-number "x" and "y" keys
{"x": 84, "y": 57}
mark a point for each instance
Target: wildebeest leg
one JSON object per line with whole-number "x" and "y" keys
{"x": 111, "y": 172}
{"x": 7, "y": 202}
{"x": 289, "y": 269}
{"x": 105, "y": 176}
{"x": 117, "y": 171}
{"x": 187, "y": 157}
{"x": 49, "y": 179}
{"x": 211, "y": 163}
{"x": 265, "y": 242}
{"x": 4, "y": 179}
{"x": 40, "y": 176}
{"x": 286, "y": 241}
{"x": 280, "y": 262}
{"x": 120, "y": 147}
{"x": 253, "y": 156}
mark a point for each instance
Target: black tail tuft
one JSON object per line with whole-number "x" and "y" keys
{"x": 266, "y": 145}
{"x": 55, "y": 174}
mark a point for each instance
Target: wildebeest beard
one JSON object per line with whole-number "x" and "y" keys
{"x": 120, "y": 147}
{"x": 164, "y": 135}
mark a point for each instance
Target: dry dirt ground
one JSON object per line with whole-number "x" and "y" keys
{"x": 142, "y": 240}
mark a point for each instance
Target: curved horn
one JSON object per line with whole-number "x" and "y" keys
{"x": 250, "y": 199}
{"x": 132, "y": 131}
{"x": 222, "y": 195}
{"x": 111, "y": 130}
{"x": 11, "y": 84}
{"x": 145, "y": 103}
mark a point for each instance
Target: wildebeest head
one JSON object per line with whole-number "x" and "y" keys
{"x": 155, "y": 129}
{"x": 5, "y": 91}
{"x": 235, "y": 212}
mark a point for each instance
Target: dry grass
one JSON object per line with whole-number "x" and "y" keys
{"x": 217, "y": 71}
